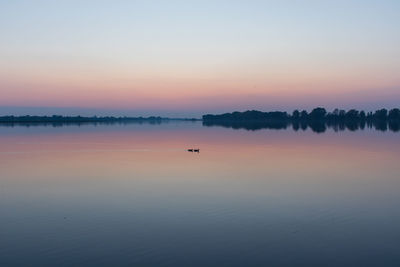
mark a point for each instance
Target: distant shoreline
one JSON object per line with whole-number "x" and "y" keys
{"x": 81, "y": 119}
{"x": 318, "y": 113}
{"x": 318, "y": 120}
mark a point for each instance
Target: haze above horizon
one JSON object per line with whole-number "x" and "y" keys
{"x": 187, "y": 58}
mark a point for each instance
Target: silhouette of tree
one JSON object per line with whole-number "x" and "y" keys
{"x": 381, "y": 114}
{"x": 352, "y": 114}
{"x": 304, "y": 115}
{"x": 394, "y": 114}
{"x": 317, "y": 114}
{"x": 362, "y": 115}
{"x": 318, "y": 119}
{"x": 296, "y": 115}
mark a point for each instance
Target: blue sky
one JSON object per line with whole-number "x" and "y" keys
{"x": 190, "y": 57}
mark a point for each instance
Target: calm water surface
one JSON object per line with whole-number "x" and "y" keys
{"x": 131, "y": 195}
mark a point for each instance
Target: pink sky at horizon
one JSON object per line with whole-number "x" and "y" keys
{"x": 192, "y": 59}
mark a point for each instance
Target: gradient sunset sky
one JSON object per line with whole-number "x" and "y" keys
{"x": 187, "y": 58}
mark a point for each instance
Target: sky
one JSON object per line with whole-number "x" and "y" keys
{"x": 187, "y": 58}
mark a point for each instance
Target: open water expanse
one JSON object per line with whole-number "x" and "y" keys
{"x": 132, "y": 195}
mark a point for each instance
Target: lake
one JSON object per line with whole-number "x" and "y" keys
{"x": 132, "y": 195}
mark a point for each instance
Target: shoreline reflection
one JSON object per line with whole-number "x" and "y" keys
{"x": 315, "y": 126}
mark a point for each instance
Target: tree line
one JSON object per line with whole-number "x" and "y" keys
{"x": 318, "y": 119}
{"x": 316, "y": 114}
{"x": 72, "y": 119}
{"x": 352, "y": 114}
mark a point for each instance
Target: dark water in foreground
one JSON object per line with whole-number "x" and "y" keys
{"x": 131, "y": 195}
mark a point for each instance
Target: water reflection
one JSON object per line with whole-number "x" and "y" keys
{"x": 60, "y": 124}
{"x": 315, "y": 126}
{"x": 132, "y": 195}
